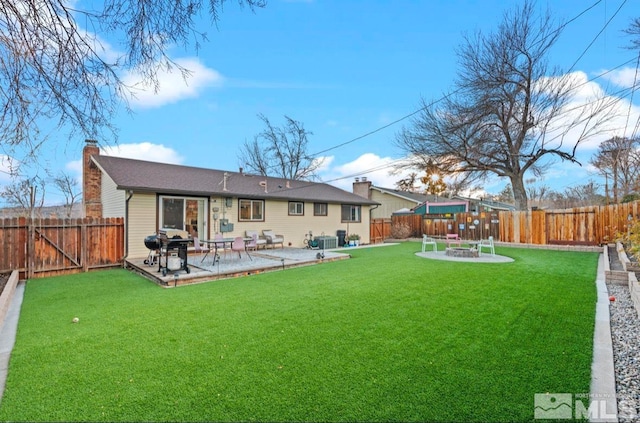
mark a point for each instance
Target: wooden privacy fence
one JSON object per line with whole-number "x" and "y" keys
{"x": 593, "y": 225}
{"x": 47, "y": 247}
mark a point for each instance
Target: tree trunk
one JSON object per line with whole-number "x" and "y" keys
{"x": 519, "y": 193}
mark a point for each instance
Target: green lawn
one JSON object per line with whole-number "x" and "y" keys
{"x": 385, "y": 336}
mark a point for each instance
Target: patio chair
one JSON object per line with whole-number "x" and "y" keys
{"x": 488, "y": 244}
{"x": 199, "y": 249}
{"x": 260, "y": 240}
{"x": 253, "y": 244}
{"x": 221, "y": 245}
{"x": 272, "y": 238}
{"x": 426, "y": 240}
{"x": 239, "y": 246}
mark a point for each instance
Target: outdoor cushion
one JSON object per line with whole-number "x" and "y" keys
{"x": 260, "y": 241}
{"x": 272, "y": 238}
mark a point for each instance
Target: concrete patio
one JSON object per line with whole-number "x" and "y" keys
{"x": 229, "y": 265}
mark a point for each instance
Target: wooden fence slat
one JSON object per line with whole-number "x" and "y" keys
{"x": 591, "y": 225}
{"x": 46, "y": 247}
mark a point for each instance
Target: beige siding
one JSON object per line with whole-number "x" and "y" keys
{"x": 113, "y": 200}
{"x": 142, "y": 223}
{"x": 294, "y": 228}
{"x": 388, "y": 204}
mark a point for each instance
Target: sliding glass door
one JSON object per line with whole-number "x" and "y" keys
{"x": 185, "y": 214}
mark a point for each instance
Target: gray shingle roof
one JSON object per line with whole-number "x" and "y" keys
{"x": 140, "y": 175}
{"x": 411, "y": 196}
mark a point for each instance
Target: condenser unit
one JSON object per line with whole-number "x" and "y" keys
{"x": 327, "y": 242}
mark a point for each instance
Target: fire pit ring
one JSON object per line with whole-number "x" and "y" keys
{"x": 462, "y": 252}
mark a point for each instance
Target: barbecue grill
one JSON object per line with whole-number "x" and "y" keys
{"x": 172, "y": 260}
{"x": 152, "y": 243}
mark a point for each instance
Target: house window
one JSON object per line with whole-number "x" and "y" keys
{"x": 296, "y": 208}
{"x": 350, "y": 213}
{"x": 184, "y": 214}
{"x": 320, "y": 209}
{"x": 251, "y": 210}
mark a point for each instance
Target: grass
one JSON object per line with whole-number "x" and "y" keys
{"x": 385, "y": 336}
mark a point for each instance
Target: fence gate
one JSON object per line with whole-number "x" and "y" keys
{"x": 380, "y": 229}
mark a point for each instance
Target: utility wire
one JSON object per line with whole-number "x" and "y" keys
{"x": 597, "y": 35}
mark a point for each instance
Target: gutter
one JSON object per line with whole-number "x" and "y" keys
{"x": 126, "y": 225}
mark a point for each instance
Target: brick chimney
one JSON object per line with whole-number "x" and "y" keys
{"x": 91, "y": 181}
{"x": 362, "y": 187}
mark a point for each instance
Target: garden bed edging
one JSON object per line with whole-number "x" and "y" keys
{"x": 630, "y": 268}
{"x": 7, "y": 295}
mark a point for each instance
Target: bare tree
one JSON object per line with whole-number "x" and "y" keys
{"x": 618, "y": 160}
{"x": 634, "y": 31}
{"x": 26, "y": 195}
{"x": 505, "y": 196}
{"x": 55, "y": 68}
{"x": 69, "y": 187}
{"x": 508, "y": 110}
{"x": 537, "y": 194}
{"x": 584, "y": 195}
{"x": 408, "y": 184}
{"x": 280, "y": 151}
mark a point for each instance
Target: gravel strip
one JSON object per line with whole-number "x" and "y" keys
{"x": 625, "y": 330}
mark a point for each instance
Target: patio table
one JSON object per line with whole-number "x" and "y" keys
{"x": 216, "y": 243}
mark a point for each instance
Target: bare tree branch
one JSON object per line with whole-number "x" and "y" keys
{"x": 55, "y": 71}
{"x": 508, "y": 110}
{"x": 280, "y": 151}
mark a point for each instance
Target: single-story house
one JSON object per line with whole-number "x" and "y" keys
{"x": 390, "y": 200}
{"x": 393, "y": 201}
{"x": 155, "y": 196}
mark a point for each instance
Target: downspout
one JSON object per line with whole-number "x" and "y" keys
{"x": 126, "y": 226}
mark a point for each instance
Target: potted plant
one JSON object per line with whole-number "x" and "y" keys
{"x": 354, "y": 240}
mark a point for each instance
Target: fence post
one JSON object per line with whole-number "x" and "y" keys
{"x": 31, "y": 243}
{"x": 83, "y": 244}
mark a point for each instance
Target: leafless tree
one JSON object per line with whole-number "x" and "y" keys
{"x": 537, "y": 194}
{"x": 505, "y": 196}
{"x": 618, "y": 160}
{"x": 634, "y": 31}
{"x": 280, "y": 151}
{"x": 508, "y": 114}
{"x": 408, "y": 184}
{"x": 26, "y": 195}
{"x": 57, "y": 72}
{"x": 69, "y": 187}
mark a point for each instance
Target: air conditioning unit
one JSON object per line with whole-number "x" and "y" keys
{"x": 327, "y": 242}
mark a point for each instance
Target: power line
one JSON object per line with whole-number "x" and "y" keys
{"x": 597, "y": 35}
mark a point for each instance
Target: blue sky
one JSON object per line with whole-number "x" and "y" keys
{"x": 345, "y": 69}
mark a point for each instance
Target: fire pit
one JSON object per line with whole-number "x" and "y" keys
{"x": 461, "y": 252}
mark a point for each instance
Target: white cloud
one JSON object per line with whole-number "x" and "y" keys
{"x": 375, "y": 168}
{"x": 624, "y": 77}
{"x": 144, "y": 151}
{"x": 172, "y": 85}
{"x": 7, "y": 164}
{"x": 615, "y": 117}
